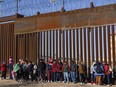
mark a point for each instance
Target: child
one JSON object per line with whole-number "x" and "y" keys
{"x": 3, "y": 69}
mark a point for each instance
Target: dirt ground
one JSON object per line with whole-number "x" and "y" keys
{"x": 12, "y": 83}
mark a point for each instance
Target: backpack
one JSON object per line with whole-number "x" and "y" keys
{"x": 99, "y": 69}
{"x": 25, "y": 68}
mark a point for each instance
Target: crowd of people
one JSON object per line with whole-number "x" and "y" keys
{"x": 59, "y": 71}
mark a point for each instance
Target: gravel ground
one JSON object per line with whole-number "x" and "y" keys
{"x": 12, "y": 83}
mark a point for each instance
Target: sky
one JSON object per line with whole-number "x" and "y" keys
{"x": 31, "y": 7}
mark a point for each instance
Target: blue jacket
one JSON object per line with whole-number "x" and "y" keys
{"x": 98, "y": 74}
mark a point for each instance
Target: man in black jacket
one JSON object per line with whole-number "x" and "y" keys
{"x": 73, "y": 68}
{"x": 31, "y": 70}
{"x": 41, "y": 69}
{"x": 60, "y": 74}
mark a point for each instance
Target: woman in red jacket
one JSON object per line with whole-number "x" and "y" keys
{"x": 3, "y": 70}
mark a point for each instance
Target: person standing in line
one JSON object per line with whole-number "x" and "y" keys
{"x": 99, "y": 72}
{"x": 21, "y": 62}
{"x": 50, "y": 70}
{"x": 10, "y": 66}
{"x": 3, "y": 70}
{"x": 73, "y": 71}
{"x": 60, "y": 74}
{"x": 41, "y": 69}
{"x": 107, "y": 71}
{"x": 92, "y": 73}
{"x": 85, "y": 72}
{"x": 81, "y": 72}
{"x": 30, "y": 66}
{"x": 55, "y": 70}
{"x": 66, "y": 70}
{"x": 25, "y": 70}
{"x": 114, "y": 70}
{"x": 34, "y": 71}
{"x": 16, "y": 71}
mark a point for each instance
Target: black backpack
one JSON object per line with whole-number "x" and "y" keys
{"x": 99, "y": 69}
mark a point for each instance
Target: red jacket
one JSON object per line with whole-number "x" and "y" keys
{"x": 106, "y": 69}
{"x": 3, "y": 67}
{"x": 55, "y": 67}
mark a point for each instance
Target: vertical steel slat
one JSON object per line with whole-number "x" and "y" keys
{"x": 100, "y": 32}
{"x": 105, "y": 56}
{"x": 67, "y": 45}
{"x": 81, "y": 51}
{"x": 85, "y": 58}
{"x": 96, "y": 31}
{"x": 113, "y": 45}
{"x": 74, "y": 45}
{"x": 57, "y": 45}
{"x": 109, "y": 45}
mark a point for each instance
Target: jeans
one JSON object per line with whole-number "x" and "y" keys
{"x": 73, "y": 76}
{"x": 66, "y": 77}
{"x": 31, "y": 75}
{"x": 41, "y": 74}
{"x": 108, "y": 78}
{"x": 25, "y": 75}
{"x": 82, "y": 77}
{"x": 55, "y": 76}
{"x": 50, "y": 75}
{"x": 11, "y": 67}
{"x": 17, "y": 75}
{"x": 92, "y": 78}
{"x": 3, "y": 74}
{"x": 60, "y": 76}
{"x": 11, "y": 74}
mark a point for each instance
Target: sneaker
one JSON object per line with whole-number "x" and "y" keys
{"x": 81, "y": 83}
{"x": 107, "y": 85}
{"x": 51, "y": 81}
{"x": 48, "y": 81}
{"x": 64, "y": 82}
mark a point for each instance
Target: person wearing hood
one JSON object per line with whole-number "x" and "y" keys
{"x": 99, "y": 72}
{"x": 41, "y": 69}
